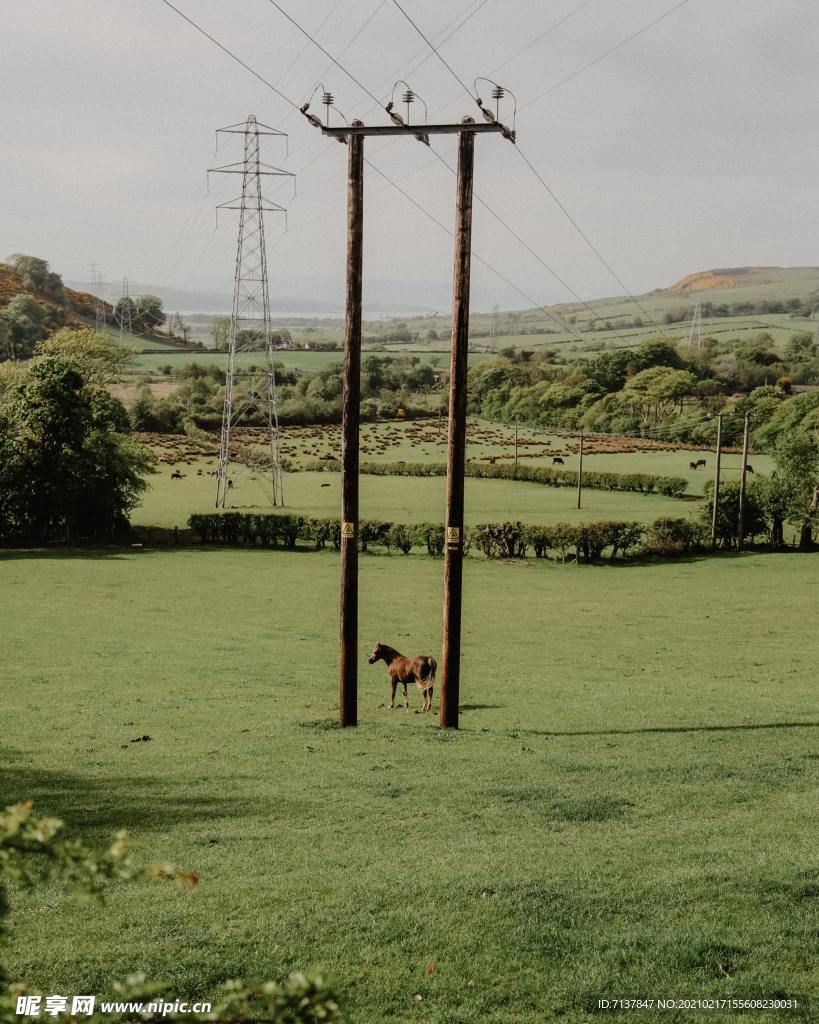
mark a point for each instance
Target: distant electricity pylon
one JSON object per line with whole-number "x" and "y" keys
{"x": 126, "y": 312}
{"x": 493, "y": 328}
{"x": 695, "y": 337}
{"x": 95, "y": 290}
{"x": 249, "y": 394}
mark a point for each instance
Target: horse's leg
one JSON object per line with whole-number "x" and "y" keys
{"x": 394, "y": 688}
{"x": 406, "y": 698}
{"x": 429, "y": 698}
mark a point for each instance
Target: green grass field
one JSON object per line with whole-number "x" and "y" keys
{"x": 629, "y": 808}
{"x": 169, "y": 502}
{"x": 411, "y": 499}
{"x": 296, "y": 359}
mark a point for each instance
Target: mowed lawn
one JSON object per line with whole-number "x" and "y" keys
{"x": 629, "y": 808}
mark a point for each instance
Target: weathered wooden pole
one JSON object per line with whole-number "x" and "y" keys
{"x": 716, "y": 484}
{"x": 742, "y": 475}
{"x": 580, "y": 473}
{"x": 516, "y": 445}
{"x": 348, "y": 626}
{"x": 456, "y": 438}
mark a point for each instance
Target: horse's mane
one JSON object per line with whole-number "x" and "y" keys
{"x": 391, "y": 651}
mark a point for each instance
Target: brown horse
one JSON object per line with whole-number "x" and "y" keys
{"x": 420, "y": 670}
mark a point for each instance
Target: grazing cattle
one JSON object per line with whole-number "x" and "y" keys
{"x": 420, "y": 670}
{"x": 749, "y": 468}
{"x": 176, "y": 475}
{"x": 557, "y": 461}
{"x": 325, "y": 485}
{"x": 693, "y": 465}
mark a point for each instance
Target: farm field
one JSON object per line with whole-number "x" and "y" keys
{"x": 400, "y": 499}
{"x": 293, "y": 359}
{"x": 410, "y": 499}
{"x": 781, "y": 326}
{"x": 628, "y": 809}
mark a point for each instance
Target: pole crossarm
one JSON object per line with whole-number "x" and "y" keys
{"x": 412, "y": 129}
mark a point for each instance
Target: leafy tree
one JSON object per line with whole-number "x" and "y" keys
{"x": 220, "y": 331}
{"x": 37, "y": 277}
{"x": 24, "y": 320}
{"x": 179, "y": 327}
{"x": 797, "y": 462}
{"x": 727, "y": 525}
{"x": 149, "y": 313}
{"x": 100, "y": 361}
{"x": 64, "y": 469}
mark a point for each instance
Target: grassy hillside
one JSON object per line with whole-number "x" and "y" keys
{"x": 75, "y": 311}
{"x": 78, "y": 310}
{"x": 617, "y": 314}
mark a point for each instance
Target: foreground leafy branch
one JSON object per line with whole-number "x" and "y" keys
{"x": 32, "y": 848}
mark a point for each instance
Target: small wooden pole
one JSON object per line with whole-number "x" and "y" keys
{"x": 580, "y": 473}
{"x": 348, "y": 626}
{"x": 456, "y": 439}
{"x": 516, "y": 445}
{"x": 742, "y": 475}
{"x": 716, "y": 483}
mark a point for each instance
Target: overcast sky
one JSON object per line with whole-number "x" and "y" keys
{"x": 693, "y": 146}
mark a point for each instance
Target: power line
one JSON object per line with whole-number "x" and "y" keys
{"x": 479, "y": 258}
{"x": 316, "y": 43}
{"x": 230, "y": 53}
{"x": 247, "y": 67}
{"x": 537, "y": 39}
{"x": 429, "y": 44}
{"x": 530, "y": 250}
{"x": 304, "y": 48}
{"x": 447, "y": 37}
{"x": 586, "y": 238}
{"x": 571, "y": 219}
{"x": 603, "y": 56}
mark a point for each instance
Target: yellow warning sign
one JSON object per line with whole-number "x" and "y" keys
{"x": 453, "y": 534}
{"x": 348, "y": 529}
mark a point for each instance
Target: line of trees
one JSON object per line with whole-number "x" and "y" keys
{"x": 656, "y": 385}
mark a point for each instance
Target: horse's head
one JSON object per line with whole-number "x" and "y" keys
{"x": 377, "y": 654}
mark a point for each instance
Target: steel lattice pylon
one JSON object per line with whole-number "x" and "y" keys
{"x": 248, "y": 393}
{"x": 695, "y": 337}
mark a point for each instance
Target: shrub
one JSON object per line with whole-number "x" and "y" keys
{"x": 432, "y": 536}
{"x": 402, "y": 537}
{"x": 373, "y": 531}
{"x": 501, "y": 540}
{"x": 668, "y": 536}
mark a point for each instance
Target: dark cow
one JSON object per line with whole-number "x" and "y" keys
{"x": 176, "y": 475}
{"x": 557, "y": 461}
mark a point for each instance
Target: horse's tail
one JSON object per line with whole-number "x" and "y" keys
{"x": 433, "y": 668}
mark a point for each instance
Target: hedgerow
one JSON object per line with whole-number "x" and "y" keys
{"x": 644, "y": 483}
{"x": 585, "y": 542}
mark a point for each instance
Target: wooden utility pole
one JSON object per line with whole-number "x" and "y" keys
{"x": 516, "y": 445}
{"x": 353, "y": 135}
{"x": 716, "y": 483}
{"x": 580, "y": 473}
{"x": 456, "y": 439}
{"x": 742, "y": 475}
{"x": 348, "y": 626}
